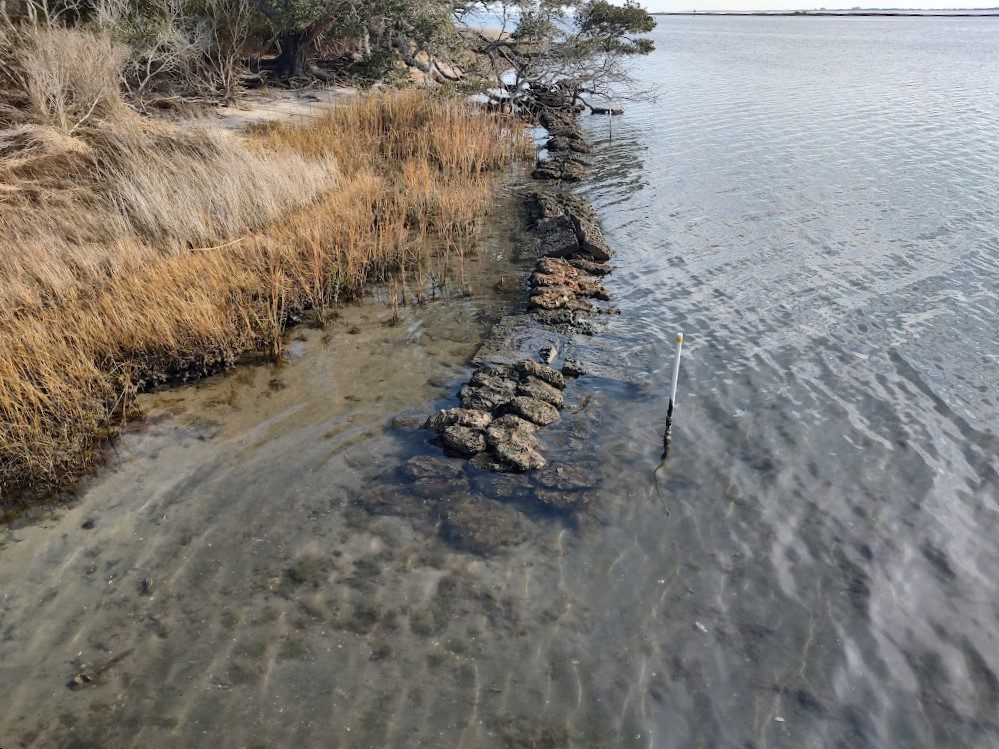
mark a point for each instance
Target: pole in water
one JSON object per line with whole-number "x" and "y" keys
{"x": 676, "y": 375}
{"x": 672, "y": 395}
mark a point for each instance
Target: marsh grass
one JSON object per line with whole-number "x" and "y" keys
{"x": 135, "y": 252}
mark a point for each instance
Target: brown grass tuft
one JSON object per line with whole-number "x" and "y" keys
{"x": 133, "y": 252}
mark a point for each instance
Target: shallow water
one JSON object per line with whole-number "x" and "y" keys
{"x": 813, "y": 201}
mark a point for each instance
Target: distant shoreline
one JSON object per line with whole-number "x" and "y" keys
{"x": 985, "y": 13}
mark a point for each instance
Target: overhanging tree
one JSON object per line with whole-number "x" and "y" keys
{"x": 561, "y": 53}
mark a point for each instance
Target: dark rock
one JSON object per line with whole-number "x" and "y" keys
{"x": 487, "y": 461}
{"x": 464, "y": 440}
{"x": 535, "y": 388}
{"x": 561, "y": 170}
{"x": 464, "y": 417}
{"x": 560, "y": 243}
{"x": 573, "y": 368}
{"x": 562, "y": 143}
{"x": 146, "y": 586}
{"x": 534, "y": 409}
{"x": 588, "y": 266}
{"x": 591, "y": 239}
{"x": 543, "y": 372}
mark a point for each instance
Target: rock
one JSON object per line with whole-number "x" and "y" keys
{"x": 573, "y": 205}
{"x": 562, "y": 143}
{"x": 566, "y": 321}
{"x": 557, "y": 244}
{"x": 542, "y": 205}
{"x": 532, "y": 409}
{"x": 378, "y": 500}
{"x": 588, "y": 266}
{"x": 591, "y": 239}
{"x": 554, "y": 297}
{"x": 427, "y": 466}
{"x": 592, "y": 289}
{"x": 519, "y": 458}
{"x": 535, "y": 388}
{"x": 573, "y": 368}
{"x": 562, "y": 170}
{"x": 495, "y": 376}
{"x": 556, "y": 266}
{"x": 543, "y": 282}
{"x": 562, "y": 501}
{"x": 464, "y": 440}
{"x": 146, "y": 586}
{"x": 543, "y": 372}
{"x": 512, "y": 432}
{"x": 480, "y": 525}
{"x": 512, "y": 421}
{"x": 465, "y": 417}
{"x": 485, "y": 398}
{"x": 549, "y": 353}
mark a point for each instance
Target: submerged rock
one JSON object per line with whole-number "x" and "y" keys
{"x": 519, "y": 458}
{"x": 573, "y": 368}
{"x": 534, "y": 409}
{"x": 464, "y": 440}
{"x": 562, "y": 501}
{"x": 480, "y": 525}
{"x": 428, "y": 466}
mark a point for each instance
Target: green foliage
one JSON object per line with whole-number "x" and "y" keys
{"x": 611, "y": 27}
{"x": 296, "y": 15}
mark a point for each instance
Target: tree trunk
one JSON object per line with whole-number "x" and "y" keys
{"x": 293, "y": 62}
{"x": 297, "y": 48}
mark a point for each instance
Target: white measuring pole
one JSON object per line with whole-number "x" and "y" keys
{"x": 676, "y": 372}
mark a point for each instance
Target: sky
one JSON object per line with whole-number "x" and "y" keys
{"x": 702, "y": 5}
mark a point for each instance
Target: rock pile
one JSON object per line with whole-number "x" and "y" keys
{"x": 502, "y": 407}
{"x": 566, "y": 148}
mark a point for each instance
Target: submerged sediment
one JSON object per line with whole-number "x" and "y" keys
{"x": 505, "y": 403}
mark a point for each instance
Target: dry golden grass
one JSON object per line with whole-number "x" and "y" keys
{"x": 133, "y": 252}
